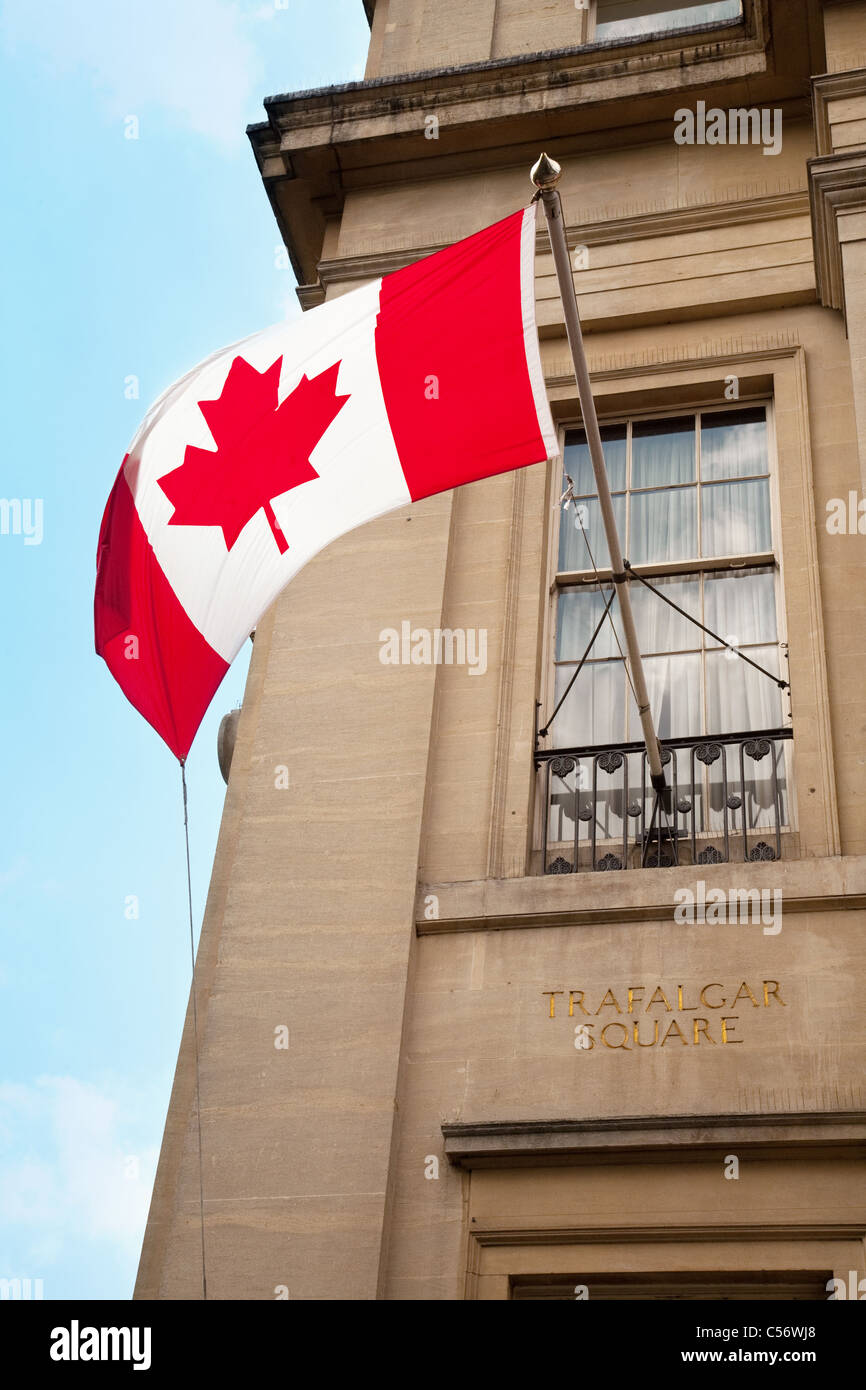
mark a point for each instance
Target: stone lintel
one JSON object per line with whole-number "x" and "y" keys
{"x": 833, "y": 1133}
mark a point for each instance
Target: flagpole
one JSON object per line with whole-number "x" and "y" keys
{"x": 546, "y": 175}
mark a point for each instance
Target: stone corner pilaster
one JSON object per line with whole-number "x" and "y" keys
{"x": 837, "y": 186}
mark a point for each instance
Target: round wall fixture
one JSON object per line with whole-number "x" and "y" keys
{"x": 226, "y": 736}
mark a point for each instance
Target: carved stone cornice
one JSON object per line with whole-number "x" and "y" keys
{"x": 318, "y": 145}
{"x": 833, "y": 86}
{"x": 310, "y": 296}
{"x": 547, "y": 81}
{"x": 837, "y": 185}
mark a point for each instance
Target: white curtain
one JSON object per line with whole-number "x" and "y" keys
{"x": 733, "y": 444}
{"x": 663, "y": 526}
{"x": 674, "y": 684}
{"x": 735, "y": 518}
{"x": 663, "y": 452}
{"x": 581, "y": 526}
{"x": 578, "y": 465}
{"x": 738, "y": 696}
{"x": 690, "y": 693}
{"x": 579, "y": 614}
{"x": 659, "y": 628}
{"x": 741, "y": 607}
{"x": 595, "y": 709}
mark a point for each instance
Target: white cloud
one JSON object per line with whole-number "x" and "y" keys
{"x": 66, "y": 1175}
{"x": 195, "y": 60}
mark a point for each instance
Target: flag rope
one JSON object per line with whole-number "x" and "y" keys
{"x": 783, "y": 685}
{"x": 567, "y": 497}
{"x": 600, "y": 582}
{"x": 194, "y": 1027}
{"x": 542, "y": 733}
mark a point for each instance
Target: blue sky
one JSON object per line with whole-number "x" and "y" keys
{"x": 121, "y": 258}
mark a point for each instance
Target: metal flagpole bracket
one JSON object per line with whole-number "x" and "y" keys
{"x": 546, "y": 174}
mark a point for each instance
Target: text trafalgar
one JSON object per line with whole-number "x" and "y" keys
{"x": 619, "y": 1031}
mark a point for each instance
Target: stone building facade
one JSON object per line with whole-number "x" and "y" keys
{"x": 456, "y": 1039}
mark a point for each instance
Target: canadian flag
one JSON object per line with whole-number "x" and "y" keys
{"x": 258, "y": 458}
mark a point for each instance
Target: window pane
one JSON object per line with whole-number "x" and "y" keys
{"x": 626, "y": 18}
{"x": 663, "y": 452}
{"x": 595, "y": 709}
{"x": 735, "y": 518}
{"x": 733, "y": 444}
{"x": 674, "y": 684}
{"x": 739, "y": 698}
{"x": 582, "y": 524}
{"x": 659, "y": 628}
{"x": 578, "y": 464}
{"x": 694, "y": 687}
{"x": 663, "y": 526}
{"x": 741, "y": 607}
{"x": 578, "y": 613}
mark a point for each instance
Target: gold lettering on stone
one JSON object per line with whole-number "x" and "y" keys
{"x": 609, "y": 1001}
{"x": 622, "y": 1045}
{"x": 552, "y": 993}
{"x": 662, "y": 1000}
{"x": 741, "y": 995}
{"x": 671, "y": 1026}
{"x": 639, "y": 1033}
{"x": 653, "y": 1040}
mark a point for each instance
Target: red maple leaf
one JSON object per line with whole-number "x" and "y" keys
{"x": 262, "y": 449}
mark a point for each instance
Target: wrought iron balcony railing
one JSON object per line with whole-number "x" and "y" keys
{"x": 728, "y": 800}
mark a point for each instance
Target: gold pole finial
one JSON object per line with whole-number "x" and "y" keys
{"x": 546, "y": 173}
